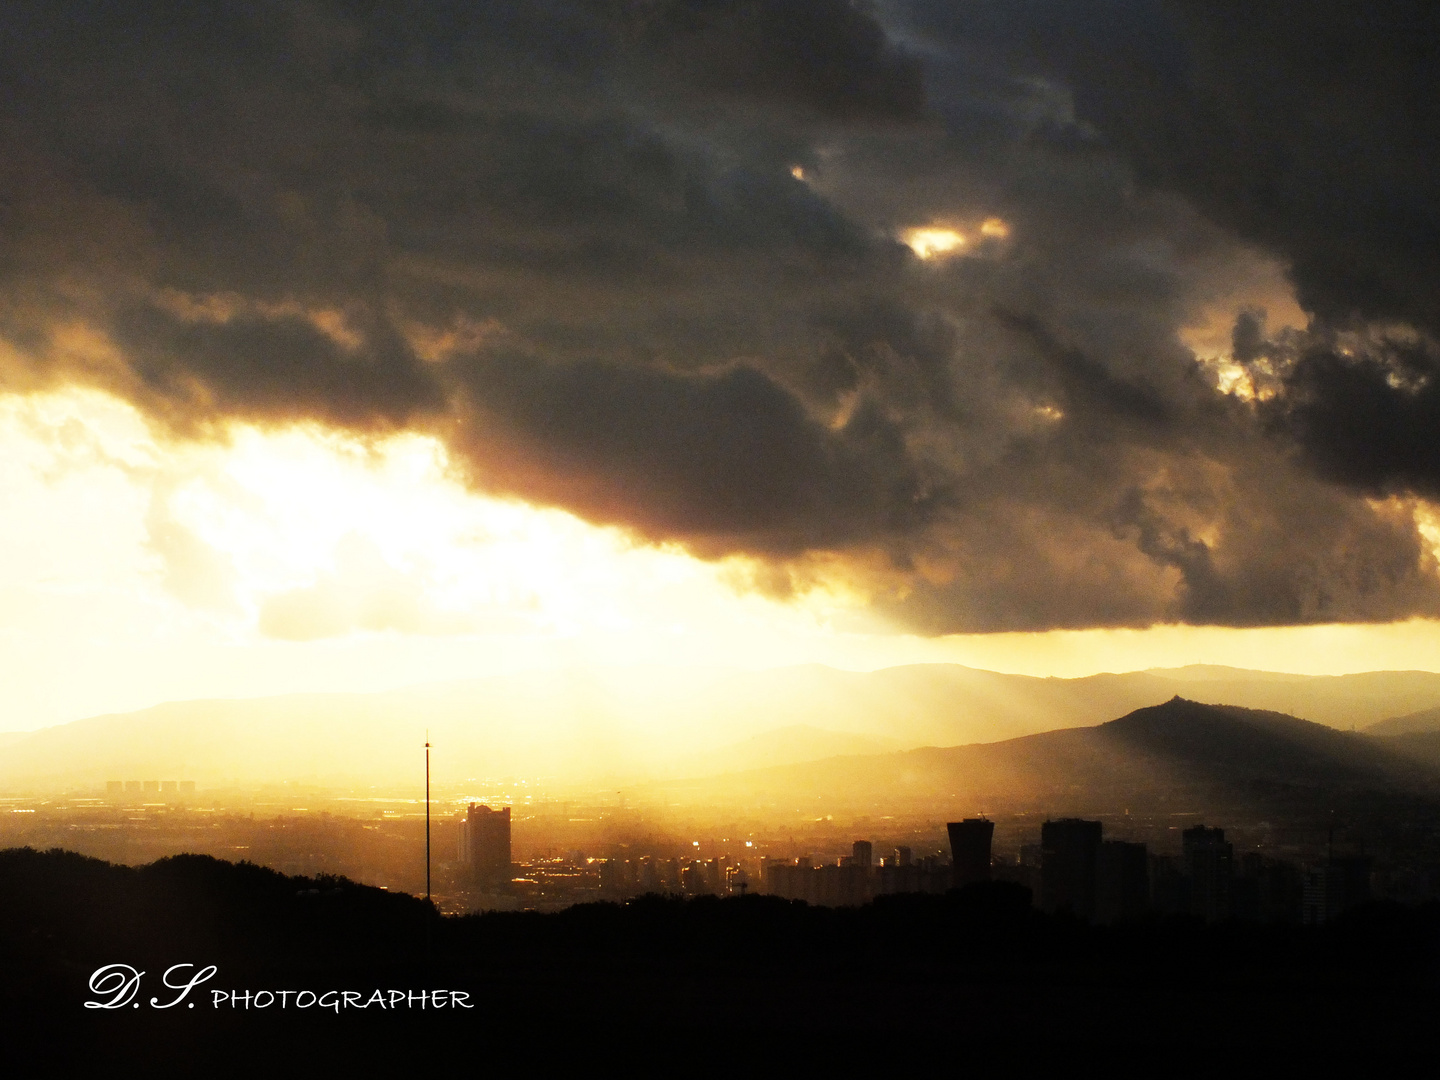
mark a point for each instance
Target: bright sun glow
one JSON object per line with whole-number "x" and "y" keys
{"x": 299, "y": 560}
{"x": 306, "y": 535}
{"x": 346, "y": 564}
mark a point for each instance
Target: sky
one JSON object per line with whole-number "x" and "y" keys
{"x": 344, "y": 347}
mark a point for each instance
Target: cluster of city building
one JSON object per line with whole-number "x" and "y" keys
{"x": 1073, "y": 868}
{"x": 117, "y": 788}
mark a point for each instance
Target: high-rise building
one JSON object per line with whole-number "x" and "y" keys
{"x": 485, "y": 844}
{"x": 1267, "y": 889}
{"x": 863, "y": 855}
{"x": 612, "y": 876}
{"x": 1122, "y": 881}
{"x": 846, "y": 884}
{"x": 1169, "y": 887}
{"x": 970, "y": 850}
{"x": 1337, "y": 884}
{"x": 1210, "y": 866}
{"x": 693, "y": 879}
{"x": 1069, "y": 853}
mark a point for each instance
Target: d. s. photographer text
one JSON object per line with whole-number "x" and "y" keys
{"x": 117, "y": 986}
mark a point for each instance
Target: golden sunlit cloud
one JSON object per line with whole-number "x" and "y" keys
{"x": 1255, "y": 284}
{"x": 937, "y": 242}
{"x": 299, "y": 560}
{"x": 931, "y": 243}
{"x": 223, "y": 307}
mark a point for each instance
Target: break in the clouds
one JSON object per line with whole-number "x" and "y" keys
{"x": 907, "y": 286}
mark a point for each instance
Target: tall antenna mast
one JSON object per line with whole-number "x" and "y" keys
{"x": 427, "y": 815}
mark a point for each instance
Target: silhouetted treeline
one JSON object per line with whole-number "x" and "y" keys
{"x": 668, "y": 967}
{"x": 60, "y": 910}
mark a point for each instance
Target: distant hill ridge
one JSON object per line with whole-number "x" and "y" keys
{"x": 1426, "y": 720}
{"x": 587, "y": 727}
{"x": 1155, "y": 753}
{"x": 1224, "y": 673}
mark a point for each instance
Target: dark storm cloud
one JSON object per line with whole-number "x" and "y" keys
{"x": 1363, "y": 405}
{"x": 641, "y": 260}
{"x": 1311, "y": 129}
{"x": 275, "y": 366}
{"x": 634, "y": 445}
{"x": 1088, "y": 383}
{"x": 829, "y": 56}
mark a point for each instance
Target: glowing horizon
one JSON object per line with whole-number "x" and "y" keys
{"x": 293, "y": 560}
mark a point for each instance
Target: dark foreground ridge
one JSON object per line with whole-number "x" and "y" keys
{"x": 979, "y": 964}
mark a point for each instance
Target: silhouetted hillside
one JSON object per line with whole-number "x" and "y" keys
{"x": 63, "y": 911}
{"x": 1180, "y": 748}
{"x": 1421, "y": 747}
{"x": 1235, "y": 745}
{"x": 661, "y": 974}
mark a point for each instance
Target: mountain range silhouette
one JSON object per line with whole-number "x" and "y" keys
{"x": 633, "y": 725}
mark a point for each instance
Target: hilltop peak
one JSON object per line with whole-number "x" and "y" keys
{"x": 1182, "y": 711}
